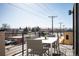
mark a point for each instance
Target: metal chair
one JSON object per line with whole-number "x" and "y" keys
{"x": 36, "y": 48}
{"x": 55, "y": 46}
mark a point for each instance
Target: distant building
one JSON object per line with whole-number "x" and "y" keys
{"x": 18, "y": 39}
{"x": 12, "y": 32}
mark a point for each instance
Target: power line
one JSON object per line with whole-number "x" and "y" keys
{"x": 41, "y": 12}
{"x": 36, "y": 5}
{"x": 46, "y": 8}
{"x": 42, "y": 8}
{"x": 37, "y": 15}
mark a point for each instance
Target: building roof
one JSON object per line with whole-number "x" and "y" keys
{"x": 19, "y": 36}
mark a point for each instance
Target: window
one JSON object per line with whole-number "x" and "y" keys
{"x": 67, "y": 37}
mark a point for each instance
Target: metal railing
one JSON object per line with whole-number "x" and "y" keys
{"x": 14, "y": 49}
{"x": 66, "y": 51}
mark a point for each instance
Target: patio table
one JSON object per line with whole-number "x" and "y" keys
{"x": 48, "y": 40}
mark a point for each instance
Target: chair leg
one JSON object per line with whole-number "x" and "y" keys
{"x": 27, "y": 52}
{"x": 48, "y": 52}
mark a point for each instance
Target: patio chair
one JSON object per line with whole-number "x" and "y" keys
{"x": 35, "y": 47}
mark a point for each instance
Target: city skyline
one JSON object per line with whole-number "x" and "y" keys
{"x": 32, "y": 15}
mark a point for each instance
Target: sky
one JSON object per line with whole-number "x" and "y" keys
{"x": 31, "y": 15}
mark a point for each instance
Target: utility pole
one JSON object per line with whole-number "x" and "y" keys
{"x": 52, "y": 21}
{"x": 63, "y": 28}
{"x": 60, "y": 27}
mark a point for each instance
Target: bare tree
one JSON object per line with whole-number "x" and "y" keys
{"x": 5, "y": 26}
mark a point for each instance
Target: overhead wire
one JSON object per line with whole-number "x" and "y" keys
{"x": 37, "y": 15}
{"x": 37, "y": 11}
{"x": 45, "y": 11}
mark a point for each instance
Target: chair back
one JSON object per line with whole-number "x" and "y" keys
{"x": 35, "y": 45}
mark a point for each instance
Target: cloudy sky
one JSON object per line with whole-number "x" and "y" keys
{"x": 31, "y": 15}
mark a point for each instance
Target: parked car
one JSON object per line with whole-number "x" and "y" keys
{"x": 10, "y": 42}
{"x": 51, "y": 35}
{"x": 7, "y": 42}
{"x": 13, "y": 42}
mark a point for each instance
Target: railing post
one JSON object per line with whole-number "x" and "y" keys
{"x": 22, "y": 44}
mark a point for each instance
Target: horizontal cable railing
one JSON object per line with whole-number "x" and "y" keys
{"x": 66, "y": 51}
{"x": 12, "y": 51}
